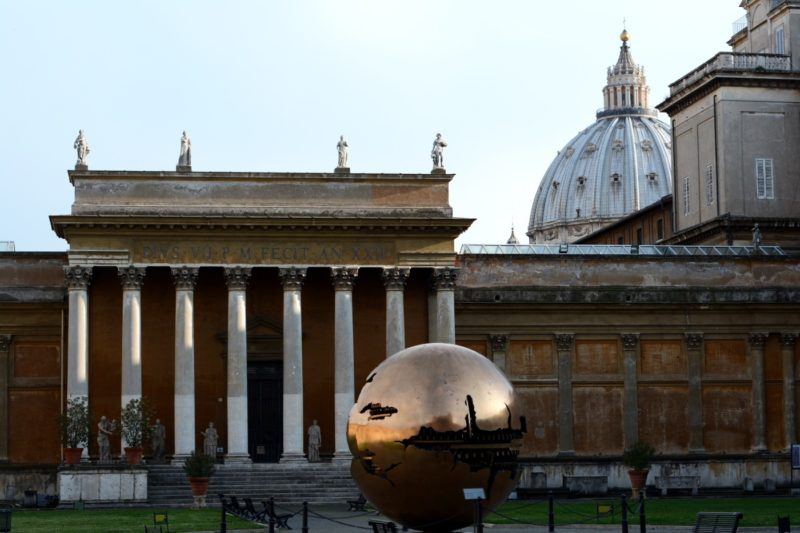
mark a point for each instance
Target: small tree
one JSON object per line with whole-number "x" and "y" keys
{"x": 73, "y": 423}
{"x": 136, "y": 428}
{"x": 638, "y": 456}
{"x": 198, "y": 465}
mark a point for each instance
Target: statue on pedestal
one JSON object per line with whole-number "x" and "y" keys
{"x": 210, "y": 440}
{"x": 82, "y": 147}
{"x": 185, "y": 157}
{"x": 437, "y": 152}
{"x": 341, "y": 146}
{"x": 756, "y": 239}
{"x": 314, "y": 442}
{"x": 158, "y": 441}
{"x": 104, "y": 430}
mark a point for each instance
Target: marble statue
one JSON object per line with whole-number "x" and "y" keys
{"x": 104, "y": 430}
{"x": 756, "y": 238}
{"x": 341, "y": 146}
{"x": 82, "y": 147}
{"x": 314, "y": 442}
{"x": 210, "y": 440}
{"x": 437, "y": 152}
{"x": 185, "y": 158}
{"x": 158, "y": 441}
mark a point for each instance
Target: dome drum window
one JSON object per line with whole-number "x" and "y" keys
{"x": 618, "y": 146}
{"x": 647, "y": 145}
{"x": 652, "y": 177}
{"x": 616, "y": 177}
{"x": 581, "y": 181}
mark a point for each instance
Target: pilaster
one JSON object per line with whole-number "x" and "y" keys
{"x": 757, "y": 342}
{"x": 788, "y": 342}
{"x": 694, "y": 355}
{"x": 5, "y": 354}
{"x": 630, "y": 412}
{"x": 498, "y": 343}
{"x": 565, "y": 348}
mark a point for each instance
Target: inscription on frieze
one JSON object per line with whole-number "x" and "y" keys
{"x": 295, "y": 253}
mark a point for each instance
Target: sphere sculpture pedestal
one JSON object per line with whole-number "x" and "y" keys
{"x": 431, "y": 421}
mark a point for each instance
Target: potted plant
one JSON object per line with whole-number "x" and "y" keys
{"x": 198, "y": 468}
{"x": 638, "y": 458}
{"x": 73, "y": 424}
{"x": 136, "y": 428}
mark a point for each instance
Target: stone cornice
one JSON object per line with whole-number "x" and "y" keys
{"x": 236, "y": 278}
{"x": 185, "y": 277}
{"x": 327, "y": 177}
{"x": 344, "y": 278}
{"x": 292, "y": 278}
{"x": 394, "y": 279}
{"x": 131, "y": 277}
{"x": 78, "y": 277}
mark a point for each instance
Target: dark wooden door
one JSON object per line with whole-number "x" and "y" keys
{"x": 265, "y": 410}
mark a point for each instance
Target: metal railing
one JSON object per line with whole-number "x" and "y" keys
{"x": 729, "y": 61}
{"x": 7, "y": 246}
{"x": 740, "y": 24}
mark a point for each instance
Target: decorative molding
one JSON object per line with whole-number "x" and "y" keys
{"x": 789, "y": 339}
{"x": 5, "y": 343}
{"x": 693, "y": 340}
{"x": 395, "y": 278}
{"x": 629, "y": 341}
{"x": 292, "y": 278}
{"x": 78, "y": 277}
{"x": 757, "y": 340}
{"x": 344, "y": 278}
{"x": 444, "y": 279}
{"x": 236, "y": 278}
{"x": 185, "y": 277}
{"x": 565, "y": 342}
{"x": 131, "y": 277}
{"x": 499, "y": 342}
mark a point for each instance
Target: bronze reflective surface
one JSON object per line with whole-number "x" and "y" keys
{"x": 430, "y": 421}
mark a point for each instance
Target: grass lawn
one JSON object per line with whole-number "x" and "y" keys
{"x": 116, "y": 521}
{"x": 671, "y": 511}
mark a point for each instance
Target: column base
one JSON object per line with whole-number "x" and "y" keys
{"x": 760, "y": 449}
{"x": 567, "y": 453}
{"x": 238, "y": 459}
{"x": 697, "y": 451}
{"x": 296, "y": 458}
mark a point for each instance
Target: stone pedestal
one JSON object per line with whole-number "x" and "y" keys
{"x": 102, "y": 485}
{"x": 341, "y": 170}
{"x": 183, "y": 168}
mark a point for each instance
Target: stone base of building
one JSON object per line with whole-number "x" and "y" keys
{"x": 16, "y": 479}
{"x": 763, "y": 473}
{"x": 92, "y": 485}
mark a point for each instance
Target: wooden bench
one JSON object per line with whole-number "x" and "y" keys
{"x": 382, "y": 527}
{"x": 678, "y": 482}
{"x": 717, "y": 522}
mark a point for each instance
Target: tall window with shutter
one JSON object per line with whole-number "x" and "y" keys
{"x": 709, "y": 184}
{"x": 686, "y": 195}
{"x": 765, "y": 186}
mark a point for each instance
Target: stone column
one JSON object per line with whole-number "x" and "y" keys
{"x": 788, "y": 341}
{"x": 185, "y": 279}
{"x": 630, "y": 409}
{"x": 499, "y": 345}
{"x": 131, "y": 278}
{"x": 293, "y": 431}
{"x": 236, "y": 278}
{"x": 445, "y": 284}
{"x": 565, "y": 346}
{"x": 344, "y": 359}
{"x": 757, "y": 342}
{"x": 78, "y": 280}
{"x": 694, "y": 356}
{"x": 5, "y": 353}
{"x": 395, "y": 281}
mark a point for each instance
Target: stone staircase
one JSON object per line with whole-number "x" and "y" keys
{"x": 289, "y": 484}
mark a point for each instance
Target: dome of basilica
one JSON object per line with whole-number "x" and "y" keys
{"x": 618, "y": 165}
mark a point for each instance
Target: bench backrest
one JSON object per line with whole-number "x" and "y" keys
{"x": 717, "y": 522}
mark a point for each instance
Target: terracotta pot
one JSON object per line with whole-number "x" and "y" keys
{"x": 133, "y": 456}
{"x": 72, "y": 456}
{"x": 199, "y": 485}
{"x": 638, "y": 480}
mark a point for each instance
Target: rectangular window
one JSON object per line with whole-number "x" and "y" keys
{"x": 709, "y": 184}
{"x": 639, "y": 236}
{"x": 620, "y": 240}
{"x": 780, "y": 48}
{"x": 660, "y": 229}
{"x": 686, "y": 195}
{"x": 765, "y": 189}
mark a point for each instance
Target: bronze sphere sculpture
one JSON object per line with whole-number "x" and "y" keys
{"x": 431, "y": 421}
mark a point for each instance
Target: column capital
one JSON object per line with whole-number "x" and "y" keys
{"x": 185, "y": 277}
{"x": 564, "y": 342}
{"x": 394, "y": 279}
{"x": 292, "y": 278}
{"x": 789, "y": 339}
{"x": 236, "y": 278}
{"x": 78, "y": 277}
{"x": 758, "y": 339}
{"x": 5, "y": 343}
{"x": 444, "y": 279}
{"x": 498, "y": 342}
{"x": 693, "y": 340}
{"x": 344, "y": 278}
{"x": 131, "y": 277}
{"x": 629, "y": 341}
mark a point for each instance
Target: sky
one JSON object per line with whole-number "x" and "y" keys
{"x": 270, "y": 85}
